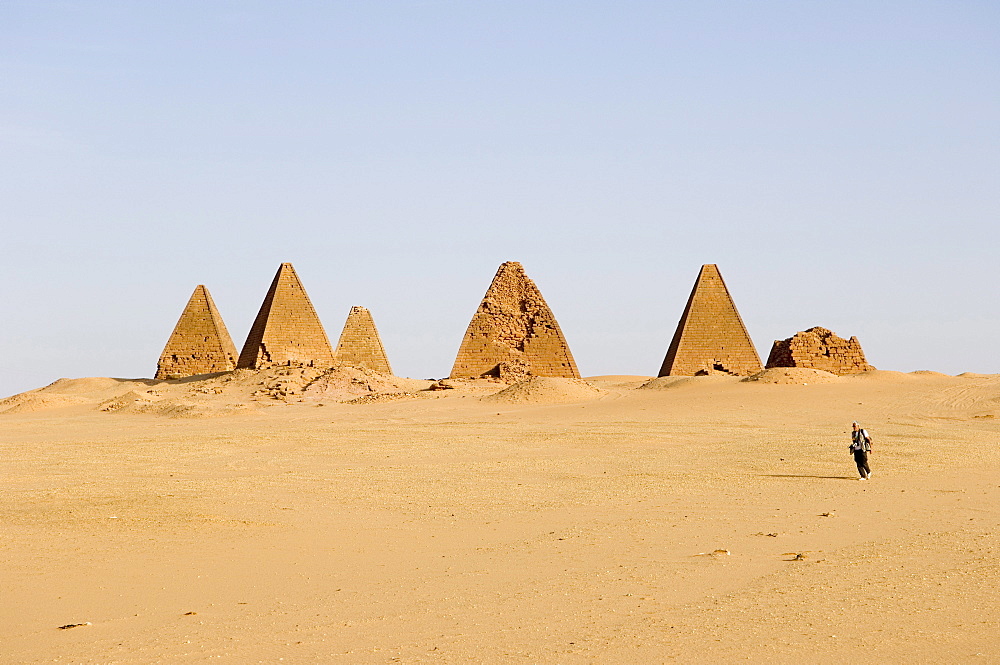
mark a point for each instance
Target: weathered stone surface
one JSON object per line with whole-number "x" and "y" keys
{"x": 819, "y": 348}
{"x": 514, "y": 333}
{"x": 360, "y": 344}
{"x": 287, "y": 330}
{"x": 710, "y": 336}
{"x": 513, "y": 371}
{"x": 200, "y": 343}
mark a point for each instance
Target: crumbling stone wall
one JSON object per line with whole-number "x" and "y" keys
{"x": 199, "y": 343}
{"x": 287, "y": 330}
{"x": 514, "y": 333}
{"x": 710, "y": 337}
{"x": 819, "y": 348}
{"x": 360, "y": 344}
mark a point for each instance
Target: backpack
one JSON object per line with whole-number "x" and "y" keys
{"x": 862, "y": 442}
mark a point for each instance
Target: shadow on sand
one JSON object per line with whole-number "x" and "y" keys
{"x": 788, "y": 475}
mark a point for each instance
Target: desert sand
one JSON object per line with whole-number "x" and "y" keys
{"x": 354, "y": 518}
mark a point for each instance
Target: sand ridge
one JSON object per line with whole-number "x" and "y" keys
{"x": 789, "y": 375}
{"x": 546, "y": 390}
{"x": 673, "y": 382}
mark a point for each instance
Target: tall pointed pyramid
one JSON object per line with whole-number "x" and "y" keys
{"x": 287, "y": 330}
{"x": 710, "y": 335}
{"x": 200, "y": 343}
{"x": 513, "y": 327}
{"x": 360, "y": 344}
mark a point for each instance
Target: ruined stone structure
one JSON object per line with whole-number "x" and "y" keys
{"x": 710, "y": 336}
{"x": 819, "y": 348}
{"x": 360, "y": 344}
{"x": 513, "y": 333}
{"x": 200, "y": 343}
{"x": 287, "y": 330}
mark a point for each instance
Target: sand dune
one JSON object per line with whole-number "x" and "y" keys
{"x": 546, "y": 390}
{"x": 670, "y": 382}
{"x": 440, "y": 528}
{"x": 210, "y": 395}
{"x": 884, "y": 376}
{"x": 793, "y": 375}
{"x": 31, "y": 402}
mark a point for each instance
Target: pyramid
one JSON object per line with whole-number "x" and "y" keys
{"x": 513, "y": 333}
{"x": 710, "y": 336}
{"x": 287, "y": 330}
{"x": 200, "y": 343}
{"x": 360, "y": 344}
{"x": 819, "y": 348}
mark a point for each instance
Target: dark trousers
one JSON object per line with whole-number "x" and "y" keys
{"x": 861, "y": 459}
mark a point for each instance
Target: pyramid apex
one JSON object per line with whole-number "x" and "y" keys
{"x": 511, "y": 269}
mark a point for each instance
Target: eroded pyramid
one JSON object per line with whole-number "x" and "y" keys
{"x": 513, "y": 333}
{"x": 200, "y": 343}
{"x": 360, "y": 344}
{"x": 287, "y": 330}
{"x": 819, "y": 348}
{"x": 710, "y": 336}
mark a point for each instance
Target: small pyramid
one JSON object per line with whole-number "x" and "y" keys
{"x": 287, "y": 330}
{"x": 819, "y": 348}
{"x": 360, "y": 344}
{"x": 710, "y": 336}
{"x": 513, "y": 333}
{"x": 200, "y": 343}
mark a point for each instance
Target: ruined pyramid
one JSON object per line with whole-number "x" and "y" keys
{"x": 287, "y": 330}
{"x": 200, "y": 343}
{"x": 360, "y": 344}
{"x": 513, "y": 333}
{"x": 710, "y": 336}
{"x": 819, "y": 348}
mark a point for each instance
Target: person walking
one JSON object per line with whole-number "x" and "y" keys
{"x": 861, "y": 446}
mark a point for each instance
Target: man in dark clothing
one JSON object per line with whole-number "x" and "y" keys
{"x": 861, "y": 445}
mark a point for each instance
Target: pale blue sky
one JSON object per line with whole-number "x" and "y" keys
{"x": 839, "y": 161}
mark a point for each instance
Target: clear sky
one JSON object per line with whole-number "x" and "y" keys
{"x": 840, "y": 161}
